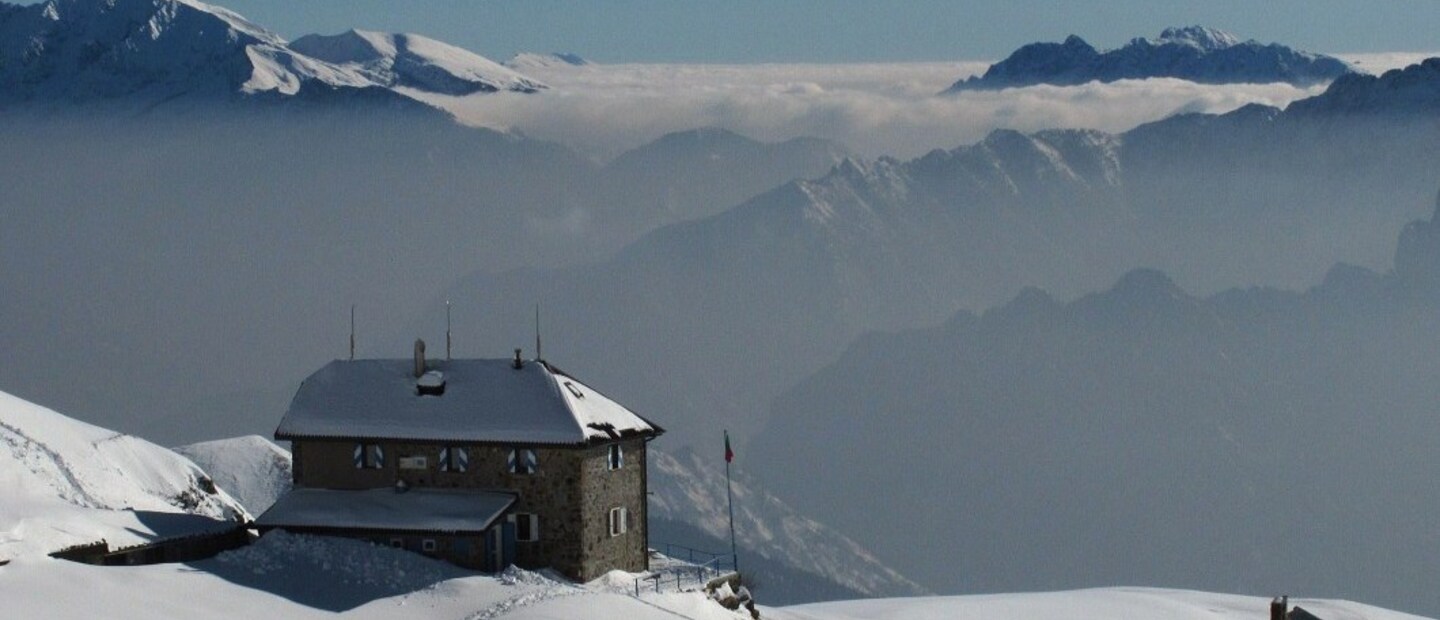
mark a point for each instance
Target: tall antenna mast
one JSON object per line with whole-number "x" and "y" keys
{"x": 352, "y": 332}
{"x": 538, "y": 356}
{"x": 447, "y": 330}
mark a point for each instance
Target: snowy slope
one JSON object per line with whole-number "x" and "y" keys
{"x": 157, "y": 50}
{"x": 251, "y": 469}
{"x": 1100, "y": 604}
{"x": 66, "y": 482}
{"x": 1194, "y": 53}
{"x": 688, "y": 489}
{"x": 413, "y": 61}
{"x": 559, "y": 60}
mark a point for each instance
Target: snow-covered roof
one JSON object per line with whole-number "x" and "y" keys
{"x": 483, "y": 401}
{"x": 415, "y": 510}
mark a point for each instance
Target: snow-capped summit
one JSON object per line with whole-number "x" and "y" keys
{"x": 154, "y": 51}
{"x": 1209, "y": 39}
{"x": 413, "y": 61}
{"x": 1194, "y": 53}
{"x": 80, "y": 50}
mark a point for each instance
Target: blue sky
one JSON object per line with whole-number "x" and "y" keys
{"x": 846, "y": 30}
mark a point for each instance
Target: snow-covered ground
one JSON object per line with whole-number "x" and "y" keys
{"x": 288, "y": 576}
{"x": 1098, "y": 604}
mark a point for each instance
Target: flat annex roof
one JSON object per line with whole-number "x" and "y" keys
{"x": 414, "y": 510}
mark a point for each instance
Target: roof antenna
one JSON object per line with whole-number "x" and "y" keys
{"x": 352, "y": 332}
{"x": 538, "y": 356}
{"x": 447, "y": 330}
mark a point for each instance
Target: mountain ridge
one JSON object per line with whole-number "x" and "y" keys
{"x": 156, "y": 51}
{"x": 1193, "y": 53}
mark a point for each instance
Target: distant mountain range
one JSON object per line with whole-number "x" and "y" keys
{"x": 738, "y": 306}
{"x": 1194, "y": 53}
{"x": 156, "y": 51}
{"x": 1256, "y": 438}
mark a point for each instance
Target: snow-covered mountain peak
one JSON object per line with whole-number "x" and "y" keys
{"x": 1194, "y": 53}
{"x": 413, "y": 61}
{"x": 1209, "y": 39}
{"x": 152, "y": 51}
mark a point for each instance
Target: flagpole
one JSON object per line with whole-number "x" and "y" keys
{"x": 730, "y": 499}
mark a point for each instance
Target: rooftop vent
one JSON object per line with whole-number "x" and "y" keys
{"x": 419, "y": 357}
{"x": 432, "y": 383}
{"x": 518, "y": 362}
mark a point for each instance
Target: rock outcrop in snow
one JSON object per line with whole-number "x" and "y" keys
{"x": 1195, "y": 53}
{"x": 68, "y": 483}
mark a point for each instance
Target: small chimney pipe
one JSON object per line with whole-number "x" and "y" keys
{"x": 518, "y": 363}
{"x": 1280, "y": 608}
{"x": 419, "y": 357}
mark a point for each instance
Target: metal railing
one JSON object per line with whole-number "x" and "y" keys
{"x": 691, "y": 567}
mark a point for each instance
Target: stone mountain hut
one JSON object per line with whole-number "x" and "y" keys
{"x": 481, "y": 462}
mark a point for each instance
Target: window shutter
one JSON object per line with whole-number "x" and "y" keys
{"x": 359, "y": 456}
{"x": 510, "y": 461}
{"x": 444, "y": 459}
{"x": 530, "y": 461}
{"x": 462, "y": 459}
{"x": 379, "y": 456}
{"x": 624, "y": 520}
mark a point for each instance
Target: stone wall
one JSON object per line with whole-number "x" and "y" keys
{"x": 604, "y": 489}
{"x": 571, "y": 492}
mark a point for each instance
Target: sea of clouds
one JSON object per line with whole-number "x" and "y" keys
{"x": 894, "y": 109}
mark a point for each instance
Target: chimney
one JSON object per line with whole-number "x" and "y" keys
{"x": 518, "y": 364}
{"x": 1279, "y": 608}
{"x": 419, "y": 357}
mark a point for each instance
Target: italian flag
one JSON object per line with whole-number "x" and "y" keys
{"x": 729, "y": 454}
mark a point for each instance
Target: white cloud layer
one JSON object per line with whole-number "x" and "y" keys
{"x": 876, "y": 109}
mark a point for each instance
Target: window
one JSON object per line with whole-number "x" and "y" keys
{"x": 617, "y": 456}
{"x": 428, "y": 545}
{"x": 398, "y": 543}
{"x": 619, "y": 521}
{"x": 527, "y": 526}
{"x": 522, "y": 461}
{"x": 454, "y": 459}
{"x": 413, "y": 462}
{"x": 369, "y": 456}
